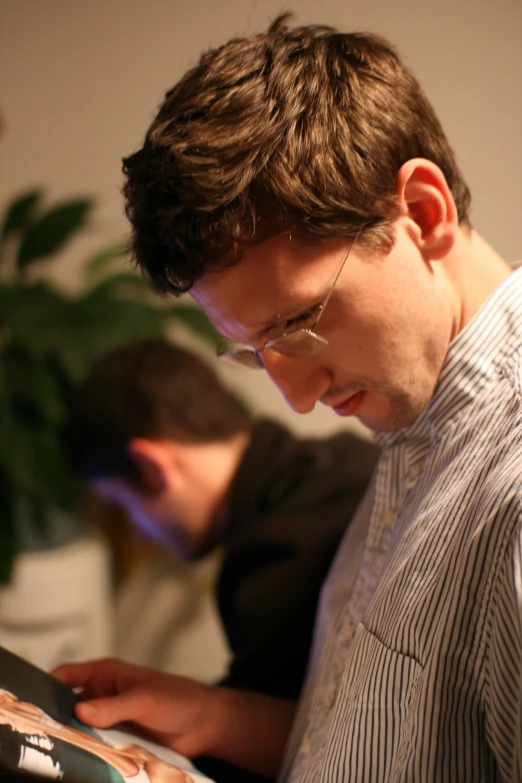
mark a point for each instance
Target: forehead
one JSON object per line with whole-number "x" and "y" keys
{"x": 273, "y": 281}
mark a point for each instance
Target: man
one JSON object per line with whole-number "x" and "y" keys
{"x": 269, "y": 163}
{"x": 156, "y": 432}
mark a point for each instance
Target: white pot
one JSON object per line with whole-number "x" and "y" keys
{"x": 58, "y": 606}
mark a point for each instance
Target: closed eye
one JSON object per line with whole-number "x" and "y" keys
{"x": 303, "y": 318}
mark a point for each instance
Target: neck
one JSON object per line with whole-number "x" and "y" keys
{"x": 212, "y": 468}
{"x": 232, "y": 452}
{"x": 475, "y": 271}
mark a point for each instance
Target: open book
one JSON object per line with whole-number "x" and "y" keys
{"x": 40, "y": 735}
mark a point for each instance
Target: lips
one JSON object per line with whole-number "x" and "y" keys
{"x": 351, "y": 405}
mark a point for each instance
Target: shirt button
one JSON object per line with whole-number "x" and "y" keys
{"x": 306, "y": 744}
{"x": 414, "y": 471}
{"x": 388, "y": 517}
{"x": 349, "y": 631}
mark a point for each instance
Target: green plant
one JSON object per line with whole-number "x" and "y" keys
{"x": 48, "y": 340}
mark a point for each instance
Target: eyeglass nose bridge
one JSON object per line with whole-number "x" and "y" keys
{"x": 300, "y": 344}
{"x": 244, "y": 355}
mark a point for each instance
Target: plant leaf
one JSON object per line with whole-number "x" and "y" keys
{"x": 34, "y": 315}
{"x": 50, "y": 233}
{"x": 7, "y": 534}
{"x": 33, "y": 382}
{"x": 99, "y": 322}
{"x": 195, "y": 318}
{"x": 7, "y": 551}
{"x": 3, "y": 379}
{"x": 124, "y": 283}
{"x": 20, "y": 212}
{"x": 101, "y": 260}
{"x": 32, "y": 458}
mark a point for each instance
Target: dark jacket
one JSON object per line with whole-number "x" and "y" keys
{"x": 290, "y": 503}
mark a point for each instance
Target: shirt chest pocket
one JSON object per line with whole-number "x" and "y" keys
{"x": 372, "y": 712}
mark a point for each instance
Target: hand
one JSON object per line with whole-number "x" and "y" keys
{"x": 176, "y": 711}
{"x": 247, "y": 729}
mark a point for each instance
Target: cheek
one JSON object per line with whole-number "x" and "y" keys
{"x": 358, "y": 329}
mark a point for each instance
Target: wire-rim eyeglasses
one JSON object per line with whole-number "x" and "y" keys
{"x": 297, "y": 343}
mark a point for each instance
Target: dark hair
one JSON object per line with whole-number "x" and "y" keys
{"x": 149, "y": 389}
{"x": 300, "y": 130}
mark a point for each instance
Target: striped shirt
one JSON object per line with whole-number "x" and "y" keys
{"x": 416, "y": 669}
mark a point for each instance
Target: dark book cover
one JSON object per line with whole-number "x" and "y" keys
{"x": 41, "y": 738}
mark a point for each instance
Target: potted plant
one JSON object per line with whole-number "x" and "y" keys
{"x": 56, "y": 596}
{"x": 48, "y": 340}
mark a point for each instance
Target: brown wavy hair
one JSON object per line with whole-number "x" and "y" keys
{"x": 297, "y": 129}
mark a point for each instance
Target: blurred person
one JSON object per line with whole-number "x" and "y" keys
{"x": 155, "y": 431}
{"x": 299, "y": 184}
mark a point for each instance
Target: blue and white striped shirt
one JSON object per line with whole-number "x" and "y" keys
{"x": 416, "y": 670}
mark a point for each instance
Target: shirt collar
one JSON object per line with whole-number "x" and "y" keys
{"x": 475, "y": 358}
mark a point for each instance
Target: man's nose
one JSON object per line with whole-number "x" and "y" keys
{"x": 301, "y": 381}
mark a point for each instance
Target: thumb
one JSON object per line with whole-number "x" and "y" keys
{"x": 108, "y": 711}
{"x": 89, "y": 712}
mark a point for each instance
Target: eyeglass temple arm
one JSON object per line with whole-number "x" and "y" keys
{"x": 336, "y": 278}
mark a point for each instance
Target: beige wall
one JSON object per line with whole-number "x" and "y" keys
{"x": 79, "y": 82}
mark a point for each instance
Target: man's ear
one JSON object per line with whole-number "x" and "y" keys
{"x": 153, "y": 461}
{"x": 427, "y": 200}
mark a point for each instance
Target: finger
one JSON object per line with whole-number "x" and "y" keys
{"x": 73, "y": 674}
{"x": 136, "y": 705}
{"x": 98, "y": 678}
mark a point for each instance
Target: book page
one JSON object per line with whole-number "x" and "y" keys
{"x": 40, "y": 734}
